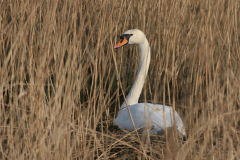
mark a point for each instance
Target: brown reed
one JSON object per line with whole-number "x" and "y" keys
{"x": 60, "y": 89}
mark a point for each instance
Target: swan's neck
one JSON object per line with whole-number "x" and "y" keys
{"x": 143, "y": 66}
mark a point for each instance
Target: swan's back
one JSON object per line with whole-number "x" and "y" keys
{"x": 154, "y": 118}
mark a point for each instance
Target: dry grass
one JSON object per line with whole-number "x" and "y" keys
{"x": 59, "y": 87}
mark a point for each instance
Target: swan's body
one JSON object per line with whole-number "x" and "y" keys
{"x": 143, "y": 113}
{"x": 154, "y": 114}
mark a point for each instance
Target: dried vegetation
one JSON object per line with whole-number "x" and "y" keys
{"x": 60, "y": 89}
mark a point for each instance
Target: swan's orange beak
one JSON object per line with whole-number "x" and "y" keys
{"x": 121, "y": 43}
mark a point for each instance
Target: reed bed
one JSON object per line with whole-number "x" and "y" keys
{"x": 60, "y": 89}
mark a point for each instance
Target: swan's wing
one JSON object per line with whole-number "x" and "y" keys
{"x": 150, "y": 113}
{"x": 169, "y": 117}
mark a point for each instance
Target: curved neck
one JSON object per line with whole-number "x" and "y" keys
{"x": 143, "y": 66}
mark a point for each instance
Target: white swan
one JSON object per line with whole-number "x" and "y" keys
{"x": 153, "y": 112}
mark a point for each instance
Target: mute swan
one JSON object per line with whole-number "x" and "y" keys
{"x": 153, "y": 112}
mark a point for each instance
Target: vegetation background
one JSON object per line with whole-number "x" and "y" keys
{"x": 60, "y": 88}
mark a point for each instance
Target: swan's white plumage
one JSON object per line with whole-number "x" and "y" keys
{"x": 154, "y": 117}
{"x": 153, "y": 112}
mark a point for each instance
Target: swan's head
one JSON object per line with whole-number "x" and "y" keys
{"x": 132, "y": 36}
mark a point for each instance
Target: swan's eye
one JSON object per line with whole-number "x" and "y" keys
{"x": 127, "y": 36}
